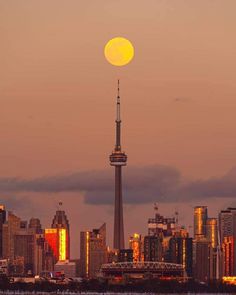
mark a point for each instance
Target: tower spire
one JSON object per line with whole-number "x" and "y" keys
{"x": 118, "y": 120}
{"x": 118, "y": 102}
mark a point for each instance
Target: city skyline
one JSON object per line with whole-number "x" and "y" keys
{"x": 56, "y": 115}
{"x": 30, "y": 249}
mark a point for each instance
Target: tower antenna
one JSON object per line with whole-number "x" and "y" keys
{"x": 176, "y": 217}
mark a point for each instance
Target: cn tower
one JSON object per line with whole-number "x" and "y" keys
{"x": 118, "y": 159}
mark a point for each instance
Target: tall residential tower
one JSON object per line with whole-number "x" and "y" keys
{"x": 200, "y": 219}
{"x": 118, "y": 159}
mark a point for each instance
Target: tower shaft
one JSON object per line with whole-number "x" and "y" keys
{"x": 118, "y": 218}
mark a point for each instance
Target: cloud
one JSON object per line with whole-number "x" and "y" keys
{"x": 141, "y": 185}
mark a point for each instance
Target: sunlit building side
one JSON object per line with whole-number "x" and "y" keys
{"x": 212, "y": 237}
{"x": 228, "y": 256}
{"x": 62, "y": 244}
{"x": 231, "y": 280}
{"x": 135, "y": 243}
{"x": 56, "y": 238}
{"x": 212, "y": 232}
{"x": 52, "y": 240}
{"x": 200, "y": 219}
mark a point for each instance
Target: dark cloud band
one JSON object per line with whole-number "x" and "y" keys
{"x": 141, "y": 185}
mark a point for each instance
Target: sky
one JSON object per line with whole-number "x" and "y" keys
{"x": 57, "y": 109}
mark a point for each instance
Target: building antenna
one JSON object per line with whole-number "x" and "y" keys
{"x": 156, "y": 208}
{"x": 176, "y": 217}
{"x": 59, "y": 205}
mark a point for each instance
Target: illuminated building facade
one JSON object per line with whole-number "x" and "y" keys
{"x": 228, "y": 256}
{"x": 227, "y": 230}
{"x": 212, "y": 237}
{"x": 118, "y": 159}
{"x": 200, "y": 219}
{"x": 135, "y": 243}
{"x": 52, "y": 240}
{"x": 61, "y": 223}
{"x": 56, "y": 238}
{"x": 212, "y": 232}
{"x": 229, "y": 280}
{"x": 206, "y": 244}
{"x": 93, "y": 251}
{"x": 62, "y": 244}
{"x": 2, "y": 221}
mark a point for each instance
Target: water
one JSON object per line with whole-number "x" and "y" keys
{"x": 18, "y": 292}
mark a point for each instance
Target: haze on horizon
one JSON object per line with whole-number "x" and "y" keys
{"x": 57, "y": 111}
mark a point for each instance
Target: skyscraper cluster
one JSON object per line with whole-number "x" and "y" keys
{"x": 28, "y": 248}
{"x": 214, "y": 244}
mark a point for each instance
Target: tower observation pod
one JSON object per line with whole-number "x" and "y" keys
{"x": 118, "y": 159}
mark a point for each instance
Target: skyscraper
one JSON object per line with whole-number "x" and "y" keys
{"x": 212, "y": 231}
{"x": 212, "y": 237}
{"x": 180, "y": 251}
{"x": 227, "y": 229}
{"x": 118, "y": 159}
{"x": 227, "y": 223}
{"x": 201, "y": 259}
{"x": 10, "y": 228}
{"x": 228, "y": 256}
{"x": 200, "y": 218}
{"x": 93, "y": 251}
{"x": 24, "y": 247}
{"x": 2, "y": 221}
{"x": 61, "y": 223}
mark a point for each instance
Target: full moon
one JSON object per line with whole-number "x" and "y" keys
{"x": 119, "y": 51}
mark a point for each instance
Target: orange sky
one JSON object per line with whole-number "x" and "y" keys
{"x": 57, "y": 91}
